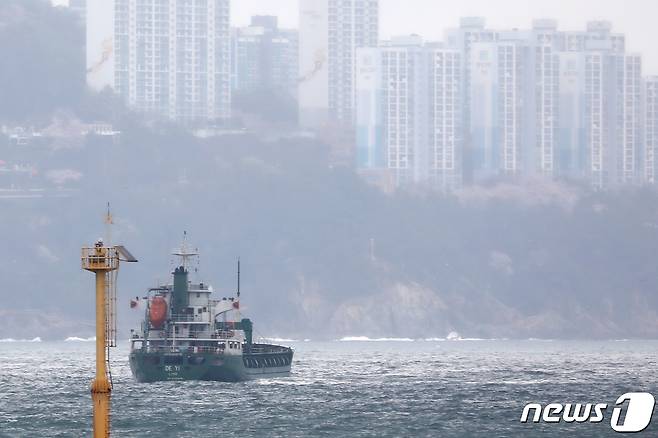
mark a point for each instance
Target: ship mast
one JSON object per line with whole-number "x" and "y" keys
{"x": 237, "y": 301}
{"x": 103, "y": 261}
{"x": 184, "y": 252}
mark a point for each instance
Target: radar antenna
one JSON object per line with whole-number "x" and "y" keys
{"x": 185, "y": 253}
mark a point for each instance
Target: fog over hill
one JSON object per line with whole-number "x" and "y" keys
{"x": 326, "y": 255}
{"x": 323, "y": 254}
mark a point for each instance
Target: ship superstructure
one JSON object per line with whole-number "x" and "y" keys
{"x": 188, "y": 335}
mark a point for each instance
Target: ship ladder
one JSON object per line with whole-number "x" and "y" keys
{"x": 110, "y": 319}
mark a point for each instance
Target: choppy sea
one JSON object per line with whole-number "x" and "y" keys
{"x": 349, "y": 388}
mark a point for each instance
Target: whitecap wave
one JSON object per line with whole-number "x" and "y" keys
{"x": 454, "y": 336}
{"x": 367, "y": 339}
{"x": 7, "y": 340}
{"x": 77, "y": 339}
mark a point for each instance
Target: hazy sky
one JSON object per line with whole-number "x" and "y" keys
{"x": 637, "y": 18}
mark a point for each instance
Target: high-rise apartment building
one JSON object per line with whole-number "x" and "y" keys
{"x": 330, "y": 31}
{"x": 536, "y": 103}
{"x": 409, "y": 112}
{"x": 628, "y": 118}
{"x": 554, "y": 104}
{"x": 513, "y": 103}
{"x": 544, "y": 84}
{"x": 446, "y": 148}
{"x": 498, "y": 90}
{"x": 370, "y": 145}
{"x": 265, "y": 57}
{"x": 572, "y": 127}
{"x": 471, "y": 30}
{"x": 599, "y": 117}
{"x": 405, "y": 80}
{"x": 172, "y": 58}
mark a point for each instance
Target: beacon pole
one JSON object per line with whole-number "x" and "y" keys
{"x": 103, "y": 261}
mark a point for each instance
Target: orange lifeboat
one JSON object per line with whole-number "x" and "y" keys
{"x": 157, "y": 312}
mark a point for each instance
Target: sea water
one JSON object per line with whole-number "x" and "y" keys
{"x": 351, "y": 388}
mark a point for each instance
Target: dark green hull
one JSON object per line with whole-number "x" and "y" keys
{"x": 159, "y": 366}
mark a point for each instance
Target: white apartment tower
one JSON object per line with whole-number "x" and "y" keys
{"x": 445, "y": 118}
{"x": 544, "y": 74}
{"x": 405, "y": 83}
{"x": 600, "y": 106}
{"x": 610, "y": 146}
{"x": 330, "y": 31}
{"x": 409, "y": 117}
{"x": 629, "y": 118}
{"x": 513, "y": 103}
{"x": 609, "y": 150}
{"x": 172, "y": 58}
{"x": 471, "y": 30}
{"x": 597, "y": 115}
{"x": 498, "y": 74}
{"x": 511, "y": 65}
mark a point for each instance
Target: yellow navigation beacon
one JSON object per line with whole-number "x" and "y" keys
{"x": 104, "y": 261}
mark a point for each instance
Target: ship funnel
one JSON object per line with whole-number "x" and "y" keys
{"x": 248, "y": 328}
{"x": 180, "y": 299}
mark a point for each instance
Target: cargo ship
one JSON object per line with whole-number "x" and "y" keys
{"x": 188, "y": 335}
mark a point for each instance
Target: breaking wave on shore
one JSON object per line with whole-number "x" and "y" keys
{"x": 7, "y": 340}
{"x": 452, "y": 336}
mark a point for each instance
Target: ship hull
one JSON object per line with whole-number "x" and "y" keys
{"x": 156, "y": 367}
